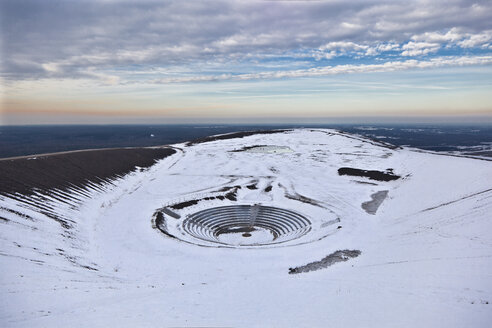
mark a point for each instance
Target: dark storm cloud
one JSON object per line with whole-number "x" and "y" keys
{"x": 80, "y": 38}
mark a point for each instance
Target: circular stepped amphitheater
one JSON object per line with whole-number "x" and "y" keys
{"x": 241, "y": 225}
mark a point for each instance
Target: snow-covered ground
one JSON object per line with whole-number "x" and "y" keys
{"x": 426, "y": 253}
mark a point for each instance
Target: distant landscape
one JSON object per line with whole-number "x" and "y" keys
{"x": 473, "y": 140}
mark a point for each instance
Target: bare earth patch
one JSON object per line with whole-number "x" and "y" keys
{"x": 338, "y": 256}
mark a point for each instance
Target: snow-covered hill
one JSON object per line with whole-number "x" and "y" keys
{"x": 414, "y": 230}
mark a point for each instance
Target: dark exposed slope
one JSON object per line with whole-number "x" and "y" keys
{"x": 371, "y": 174}
{"x": 73, "y": 169}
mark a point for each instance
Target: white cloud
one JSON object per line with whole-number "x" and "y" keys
{"x": 477, "y": 40}
{"x": 318, "y": 55}
{"x": 372, "y": 52}
{"x": 64, "y": 38}
{"x": 51, "y": 67}
{"x": 389, "y": 66}
{"x": 343, "y": 46}
{"x": 387, "y": 47}
{"x": 452, "y": 35}
{"x": 419, "y": 48}
{"x": 456, "y": 37}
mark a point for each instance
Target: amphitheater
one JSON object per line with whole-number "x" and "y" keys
{"x": 243, "y": 225}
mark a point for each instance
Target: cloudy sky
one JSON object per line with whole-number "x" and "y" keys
{"x": 243, "y": 61}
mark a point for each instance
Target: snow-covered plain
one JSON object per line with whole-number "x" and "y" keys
{"x": 426, "y": 254}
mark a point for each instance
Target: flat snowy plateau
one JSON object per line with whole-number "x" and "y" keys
{"x": 301, "y": 228}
